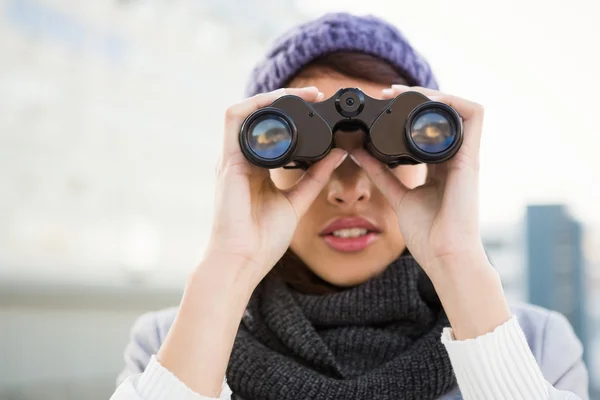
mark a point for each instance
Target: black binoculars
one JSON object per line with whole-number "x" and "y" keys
{"x": 409, "y": 129}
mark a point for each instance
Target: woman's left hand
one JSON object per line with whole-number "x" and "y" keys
{"x": 440, "y": 220}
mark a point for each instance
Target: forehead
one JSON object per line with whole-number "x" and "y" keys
{"x": 331, "y": 82}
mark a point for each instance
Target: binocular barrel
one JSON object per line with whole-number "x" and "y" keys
{"x": 408, "y": 129}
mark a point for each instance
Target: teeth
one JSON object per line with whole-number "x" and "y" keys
{"x": 350, "y": 233}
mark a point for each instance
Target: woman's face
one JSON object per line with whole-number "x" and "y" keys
{"x": 350, "y": 233}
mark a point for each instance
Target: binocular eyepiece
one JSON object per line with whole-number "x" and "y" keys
{"x": 408, "y": 129}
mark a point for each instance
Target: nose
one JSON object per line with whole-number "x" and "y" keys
{"x": 349, "y": 185}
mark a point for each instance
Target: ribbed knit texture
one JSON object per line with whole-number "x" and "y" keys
{"x": 158, "y": 383}
{"x": 502, "y": 360}
{"x": 513, "y": 374}
{"x": 337, "y": 32}
{"x": 378, "y": 340}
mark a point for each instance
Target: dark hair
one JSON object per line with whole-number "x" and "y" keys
{"x": 354, "y": 65}
{"x": 360, "y": 66}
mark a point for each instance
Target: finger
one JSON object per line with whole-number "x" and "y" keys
{"x": 389, "y": 93}
{"x": 468, "y": 110}
{"x": 308, "y": 187}
{"x": 471, "y": 113}
{"x": 463, "y": 107}
{"x": 459, "y": 176}
{"x": 236, "y": 114}
{"x": 381, "y": 176}
{"x": 396, "y": 90}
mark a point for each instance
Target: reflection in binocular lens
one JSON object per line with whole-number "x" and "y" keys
{"x": 431, "y": 131}
{"x": 270, "y": 137}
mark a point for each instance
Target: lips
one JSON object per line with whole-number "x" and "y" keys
{"x": 349, "y": 223}
{"x": 350, "y": 234}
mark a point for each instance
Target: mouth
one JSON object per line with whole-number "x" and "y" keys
{"x": 350, "y": 234}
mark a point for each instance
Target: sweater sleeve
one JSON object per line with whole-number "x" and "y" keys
{"x": 143, "y": 377}
{"x": 499, "y": 365}
{"x": 158, "y": 383}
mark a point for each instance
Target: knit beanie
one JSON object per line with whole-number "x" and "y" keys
{"x": 337, "y": 32}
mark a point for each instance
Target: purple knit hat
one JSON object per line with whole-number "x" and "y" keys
{"x": 338, "y": 32}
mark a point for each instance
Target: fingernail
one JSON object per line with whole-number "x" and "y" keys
{"x": 341, "y": 160}
{"x": 387, "y": 92}
{"x": 320, "y": 96}
{"x": 399, "y": 86}
{"x": 355, "y": 160}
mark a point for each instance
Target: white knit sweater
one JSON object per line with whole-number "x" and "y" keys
{"x": 495, "y": 366}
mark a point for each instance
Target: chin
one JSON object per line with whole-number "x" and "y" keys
{"x": 345, "y": 269}
{"x": 349, "y": 269}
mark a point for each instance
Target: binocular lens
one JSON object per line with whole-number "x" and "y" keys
{"x": 269, "y": 137}
{"x": 432, "y": 131}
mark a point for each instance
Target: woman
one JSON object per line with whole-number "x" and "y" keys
{"x": 381, "y": 287}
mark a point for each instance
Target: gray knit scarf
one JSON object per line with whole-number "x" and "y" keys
{"x": 378, "y": 340}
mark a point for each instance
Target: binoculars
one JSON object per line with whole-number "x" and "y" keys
{"x": 409, "y": 129}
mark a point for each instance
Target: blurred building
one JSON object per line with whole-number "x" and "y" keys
{"x": 546, "y": 260}
{"x": 555, "y": 265}
{"x": 592, "y": 279}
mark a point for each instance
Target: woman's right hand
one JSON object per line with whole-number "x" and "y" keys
{"x": 253, "y": 225}
{"x": 254, "y": 221}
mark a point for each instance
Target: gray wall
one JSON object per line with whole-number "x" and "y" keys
{"x": 66, "y": 342}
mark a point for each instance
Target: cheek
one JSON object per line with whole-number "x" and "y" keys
{"x": 285, "y": 178}
{"x": 411, "y": 175}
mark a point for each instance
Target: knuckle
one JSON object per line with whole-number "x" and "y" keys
{"x": 479, "y": 108}
{"x": 233, "y": 162}
{"x": 232, "y": 112}
{"x": 256, "y": 97}
{"x": 468, "y": 162}
{"x": 218, "y": 166}
{"x": 311, "y": 176}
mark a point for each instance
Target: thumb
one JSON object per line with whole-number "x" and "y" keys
{"x": 308, "y": 187}
{"x": 381, "y": 176}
